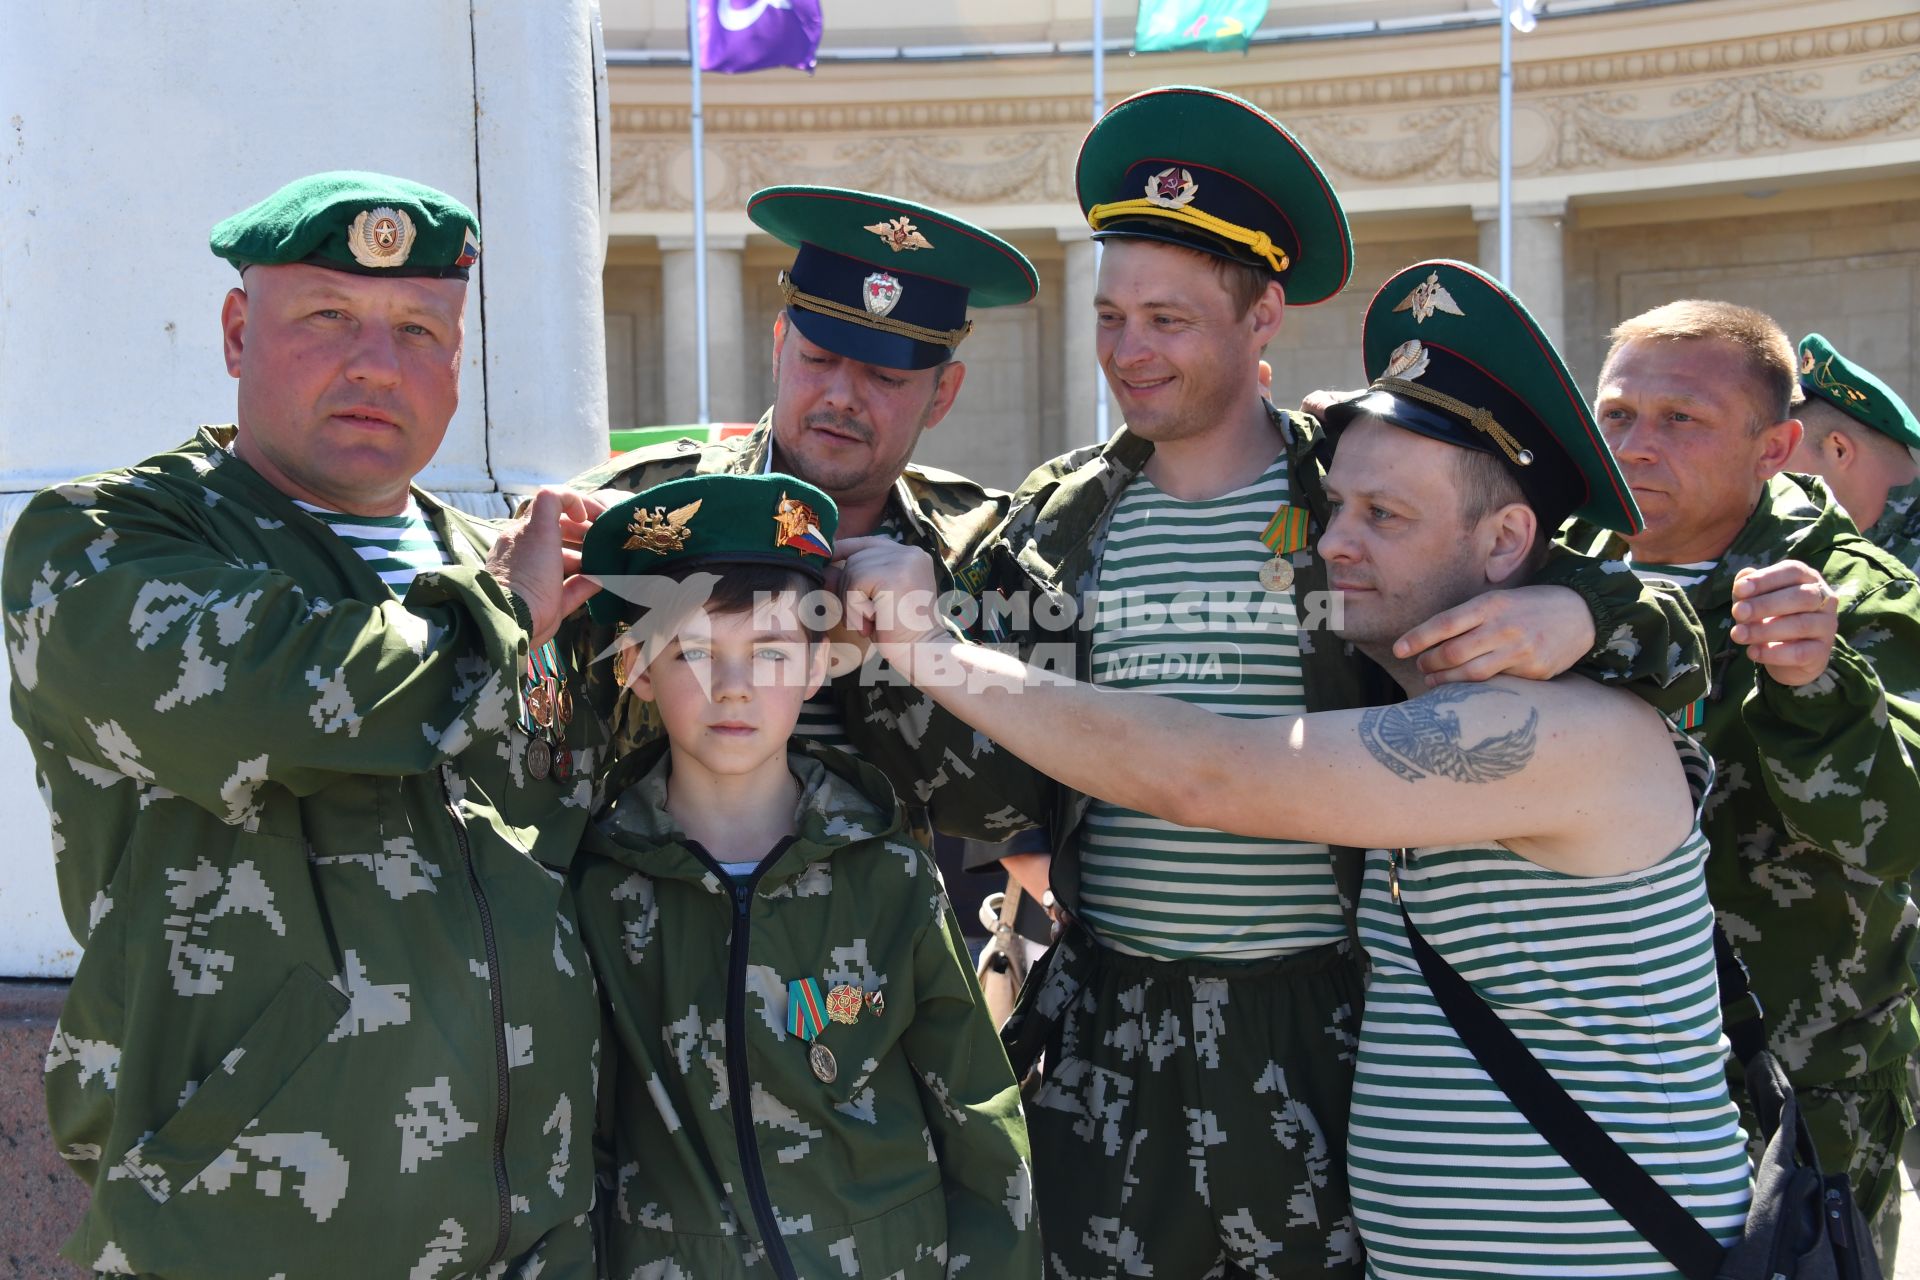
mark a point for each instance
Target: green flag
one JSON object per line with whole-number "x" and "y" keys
{"x": 1214, "y": 25}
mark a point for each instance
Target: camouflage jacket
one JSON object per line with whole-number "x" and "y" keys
{"x": 1815, "y": 813}
{"x": 331, "y": 995}
{"x": 967, "y": 786}
{"x": 907, "y": 1159}
{"x": 1898, "y": 528}
{"x": 1050, "y": 550}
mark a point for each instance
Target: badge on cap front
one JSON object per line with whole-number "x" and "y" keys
{"x": 381, "y": 237}
{"x": 1172, "y": 188}
{"x": 881, "y": 292}
{"x": 899, "y": 233}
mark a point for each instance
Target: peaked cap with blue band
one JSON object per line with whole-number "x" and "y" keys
{"x": 708, "y": 521}
{"x": 363, "y": 223}
{"x": 1453, "y": 356}
{"x": 886, "y": 281}
{"x": 1206, "y": 170}
{"x": 1827, "y": 375}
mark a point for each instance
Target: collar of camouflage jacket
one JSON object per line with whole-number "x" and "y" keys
{"x": 1076, "y": 492}
{"x": 843, "y": 801}
{"x": 222, "y": 470}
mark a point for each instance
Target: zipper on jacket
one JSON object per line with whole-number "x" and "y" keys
{"x": 497, "y": 996}
{"x": 739, "y": 1086}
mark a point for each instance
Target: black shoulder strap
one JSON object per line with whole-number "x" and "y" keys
{"x": 1581, "y": 1142}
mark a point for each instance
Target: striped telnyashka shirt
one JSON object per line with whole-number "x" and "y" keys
{"x": 1182, "y": 612}
{"x": 396, "y": 547}
{"x": 1609, "y": 981}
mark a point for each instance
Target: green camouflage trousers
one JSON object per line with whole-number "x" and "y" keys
{"x": 1189, "y": 1119}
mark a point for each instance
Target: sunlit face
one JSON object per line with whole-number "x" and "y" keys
{"x": 1680, "y": 418}
{"x": 848, "y": 426}
{"x": 1172, "y": 347}
{"x": 729, "y": 687}
{"x": 1395, "y": 544}
{"x": 347, "y": 382}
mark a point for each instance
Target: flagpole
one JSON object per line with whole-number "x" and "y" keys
{"x": 1506, "y": 143}
{"x": 699, "y": 215}
{"x": 1099, "y": 109}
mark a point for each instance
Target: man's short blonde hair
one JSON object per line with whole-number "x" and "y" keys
{"x": 1771, "y": 364}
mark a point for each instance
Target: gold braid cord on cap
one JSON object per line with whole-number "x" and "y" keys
{"x": 885, "y": 324}
{"x": 1480, "y": 419}
{"x": 1258, "y": 241}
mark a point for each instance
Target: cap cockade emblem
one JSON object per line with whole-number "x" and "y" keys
{"x": 1172, "y": 188}
{"x": 881, "y": 293}
{"x": 1428, "y": 297}
{"x": 795, "y": 525}
{"x": 661, "y": 532}
{"x": 1408, "y": 361}
{"x": 900, "y": 234}
{"x": 1806, "y": 361}
{"x": 381, "y": 237}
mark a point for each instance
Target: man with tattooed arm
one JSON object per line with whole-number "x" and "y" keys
{"x": 1546, "y": 882}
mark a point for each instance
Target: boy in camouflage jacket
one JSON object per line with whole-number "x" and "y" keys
{"x": 805, "y": 1080}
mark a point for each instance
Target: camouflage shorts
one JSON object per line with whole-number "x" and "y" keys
{"x": 1190, "y": 1118}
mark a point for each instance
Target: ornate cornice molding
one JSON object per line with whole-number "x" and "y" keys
{"x": 1661, "y": 106}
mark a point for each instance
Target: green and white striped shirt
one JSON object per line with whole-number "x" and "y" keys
{"x": 1181, "y": 612}
{"x": 396, "y": 547}
{"x": 820, "y": 715}
{"x": 1609, "y": 981}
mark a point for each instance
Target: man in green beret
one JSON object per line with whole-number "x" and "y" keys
{"x": 1177, "y": 558}
{"x": 333, "y": 1012}
{"x": 866, "y": 358}
{"x": 1864, "y": 441}
{"x": 1813, "y": 719}
{"x": 1200, "y": 1097}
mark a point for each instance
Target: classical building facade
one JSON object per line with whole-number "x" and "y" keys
{"x": 1763, "y": 151}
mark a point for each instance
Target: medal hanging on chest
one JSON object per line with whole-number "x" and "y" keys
{"x": 1285, "y": 534}
{"x": 546, "y": 709}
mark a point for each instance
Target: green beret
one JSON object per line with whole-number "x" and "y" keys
{"x": 1454, "y": 356}
{"x": 364, "y": 223}
{"x": 708, "y": 521}
{"x": 1830, "y": 376}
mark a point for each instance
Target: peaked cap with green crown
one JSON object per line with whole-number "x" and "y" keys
{"x": 1454, "y": 356}
{"x": 1206, "y": 170}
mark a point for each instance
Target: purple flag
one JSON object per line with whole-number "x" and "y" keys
{"x": 750, "y": 35}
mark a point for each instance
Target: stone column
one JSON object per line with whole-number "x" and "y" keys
{"x": 726, "y": 331}
{"x": 1081, "y": 382}
{"x": 1539, "y": 258}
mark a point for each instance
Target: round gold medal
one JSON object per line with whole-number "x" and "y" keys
{"x": 820, "y": 1058}
{"x": 563, "y": 705}
{"x": 1277, "y": 574}
{"x": 540, "y": 705}
{"x": 539, "y": 759}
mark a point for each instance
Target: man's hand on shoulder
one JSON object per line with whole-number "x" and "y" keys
{"x": 890, "y": 595}
{"x": 536, "y": 557}
{"x": 1316, "y": 403}
{"x": 1532, "y": 632}
{"x": 1787, "y": 617}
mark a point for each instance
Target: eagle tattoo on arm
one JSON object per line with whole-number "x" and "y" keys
{"x": 1424, "y": 737}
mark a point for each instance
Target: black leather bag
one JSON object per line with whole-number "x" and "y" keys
{"x": 1802, "y": 1224}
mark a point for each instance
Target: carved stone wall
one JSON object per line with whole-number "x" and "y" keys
{"x": 1667, "y": 107}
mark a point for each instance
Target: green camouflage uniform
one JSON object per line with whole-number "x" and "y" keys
{"x": 1815, "y": 827}
{"x": 965, "y": 785}
{"x": 1898, "y": 528}
{"x": 332, "y": 1012}
{"x": 910, "y": 1162}
{"x": 1256, "y": 1175}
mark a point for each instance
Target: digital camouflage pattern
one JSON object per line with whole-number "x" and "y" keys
{"x": 1051, "y": 544}
{"x": 1814, "y": 821}
{"x": 966, "y": 785}
{"x": 1166, "y": 1164}
{"x": 911, "y": 1162}
{"x": 332, "y": 994}
{"x": 1897, "y": 531}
